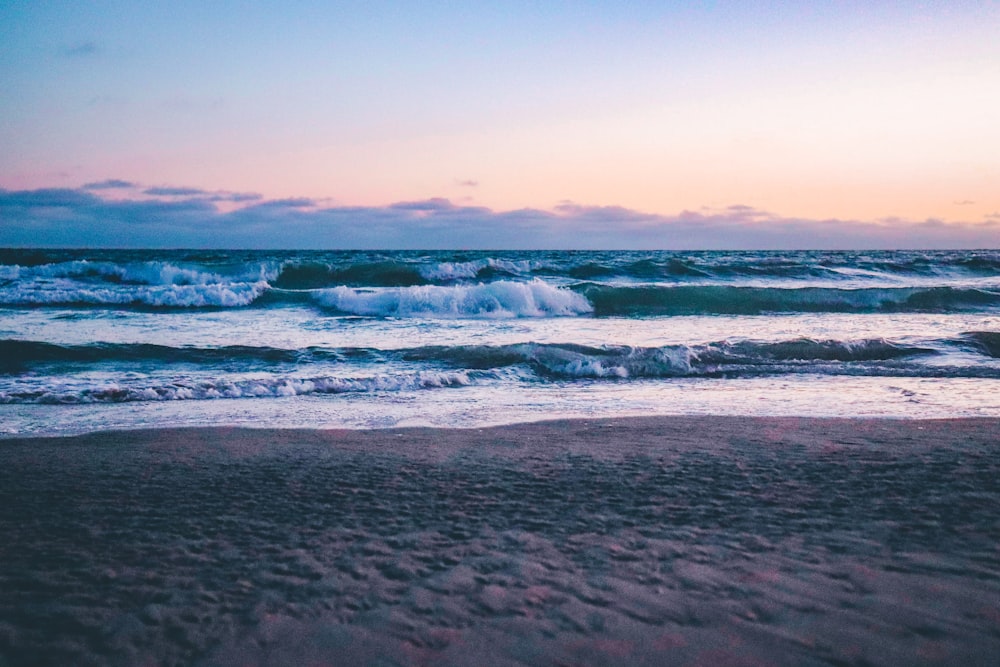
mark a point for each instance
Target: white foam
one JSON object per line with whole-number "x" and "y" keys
{"x": 501, "y": 299}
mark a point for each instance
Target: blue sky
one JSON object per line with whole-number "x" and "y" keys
{"x": 878, "y": 117}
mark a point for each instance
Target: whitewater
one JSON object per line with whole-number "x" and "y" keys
{"x": 101, "y": 339}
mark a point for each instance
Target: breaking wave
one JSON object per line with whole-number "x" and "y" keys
{"x": 271, "y": 387}
{"x": 493, "y": 300}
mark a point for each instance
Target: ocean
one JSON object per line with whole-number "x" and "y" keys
{"x": 123, "y": 339}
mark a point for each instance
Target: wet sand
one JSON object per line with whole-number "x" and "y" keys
{"x": 674, "y": 540}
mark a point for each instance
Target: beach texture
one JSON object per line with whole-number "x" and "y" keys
{"x": 648, "y": 541}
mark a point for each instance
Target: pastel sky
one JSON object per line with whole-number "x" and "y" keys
{"x": 645, "y": 124}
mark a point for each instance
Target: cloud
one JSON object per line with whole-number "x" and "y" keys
{"x": 291, "y": 203}
{"x": 174, "y": 192}
{"x": 208, "y": 195}
{"x": 109, "y": 184}
{"x": 83, "y": 218}
{"x": 469, "y": 183}
{"x": 964, "y": 202}
{"x": 82, "y": 50}
{"x": 237, "y": 197}
{"x": 436, "y": 204}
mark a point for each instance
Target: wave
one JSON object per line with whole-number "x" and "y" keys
{"x": 408, "y": 272}
{"x": 269, "y": 387}
{"x": 985, "y": 342}
{"x": 489, "y": 268}
{"x": 511, "y": 299}
{"x": 17, "y": 355}
{"x": 277, "y": 372}
{"x": 560, "y": 359}
{"x": 153, "y": 273}
{"x": 229, "y": 295}
{"x": 318, "y": 268}
{"x": 314, "y": 275}
{"x": 657, "y": 300}
{"x": 569, "y": 360}
{"x": 492, "y": 300}
{"x": 481, "y": 284}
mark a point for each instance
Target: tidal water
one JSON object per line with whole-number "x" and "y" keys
{"x": 100, "y": 339}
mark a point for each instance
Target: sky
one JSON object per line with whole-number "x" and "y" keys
{"x": 523, "y": 124}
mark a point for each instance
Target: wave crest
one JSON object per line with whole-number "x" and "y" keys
{"x": 501, "y": 299}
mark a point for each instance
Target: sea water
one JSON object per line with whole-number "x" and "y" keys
{"x": 101, "y": 339}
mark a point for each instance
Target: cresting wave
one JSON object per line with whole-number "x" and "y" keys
{"x": 499, "y": 299}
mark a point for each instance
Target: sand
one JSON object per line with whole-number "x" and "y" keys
{"x": 655, "y": 541}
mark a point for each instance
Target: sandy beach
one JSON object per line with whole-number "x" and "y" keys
{"x": 649, "y": 541}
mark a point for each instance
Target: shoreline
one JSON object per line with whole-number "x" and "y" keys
{"x": 640, "y": 540}
{"x": 627, "y": 421}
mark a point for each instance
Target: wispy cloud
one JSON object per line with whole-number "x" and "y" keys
{"x": 208, "y": 195}
{"x": 290, "y": 203}
{"x": 86, "y": 49}
{"x": 174, "y": 192}
{"x": 191, "y": 217}
{"x": 110, "y": 184}
{"x": 435, "y": 205}
{"x": 467, "y": 183}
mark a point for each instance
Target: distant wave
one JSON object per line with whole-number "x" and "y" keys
{"x": 735, "y": 300}
{"x": 517, "y": 284}
{"x": 227, "y": 295}
{"x": 153, "y": 273}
